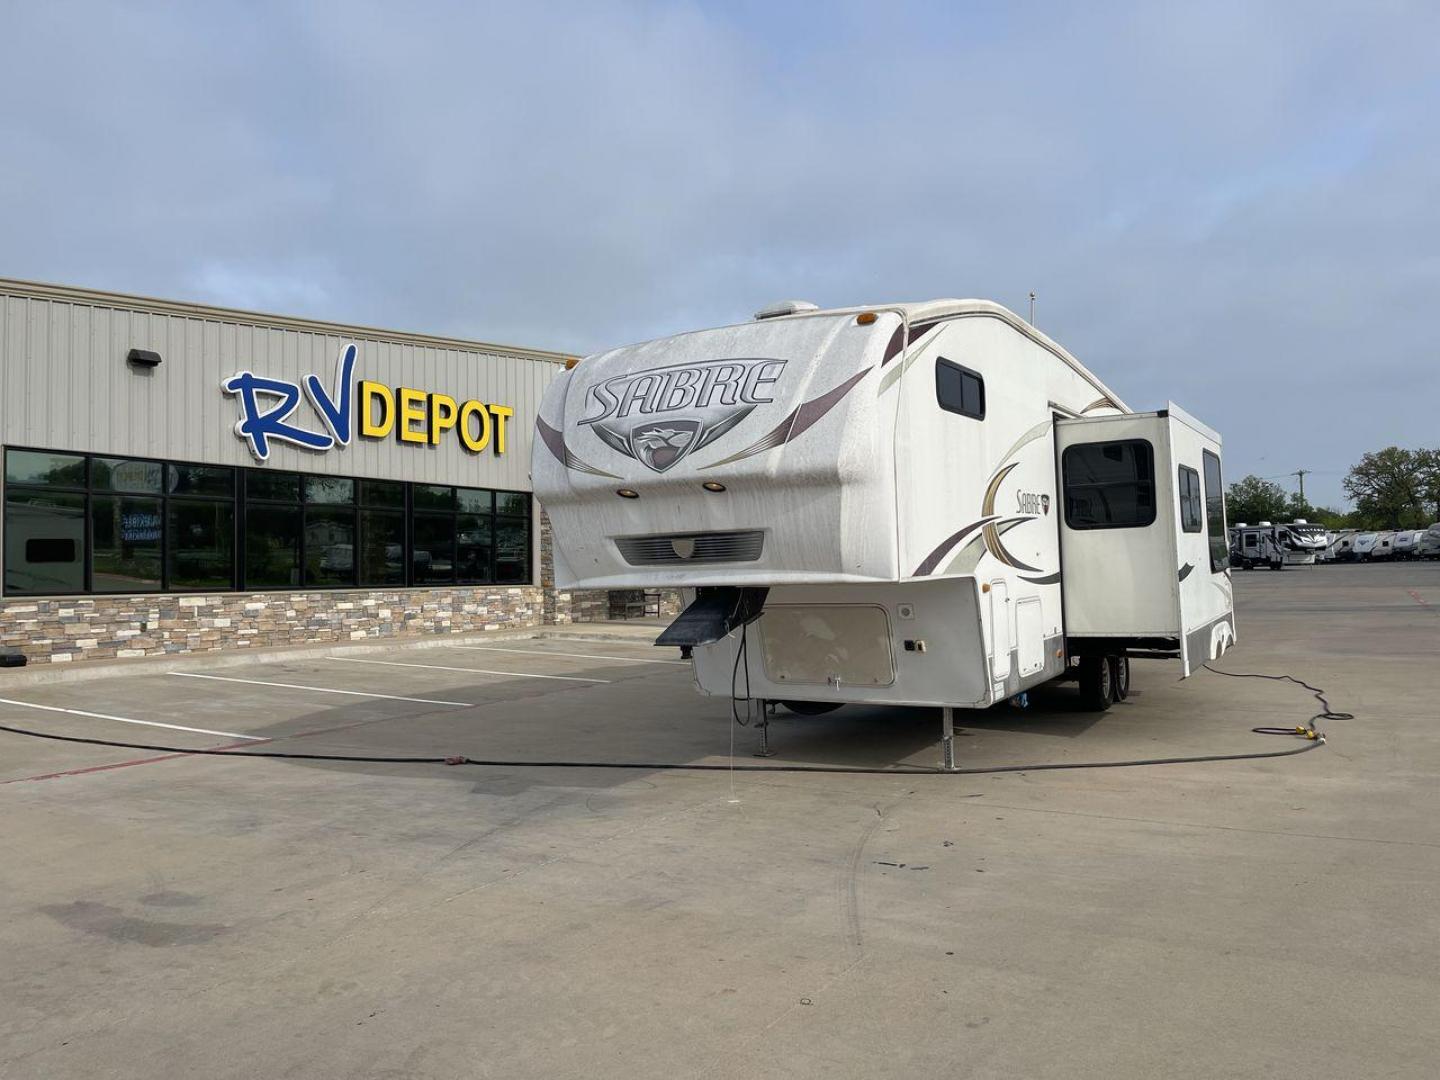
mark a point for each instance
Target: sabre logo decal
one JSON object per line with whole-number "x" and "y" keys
{"x": 1028, "y": 502}
{"x": 660, "y": 415}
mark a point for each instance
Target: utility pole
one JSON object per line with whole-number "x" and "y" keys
{"x": 1032, "y": 307}
{"x": 1302, "y": 473}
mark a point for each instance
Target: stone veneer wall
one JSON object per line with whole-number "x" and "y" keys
{"x": 563, "y": 607}
{"x": 60, "y": 629}
{"x": 102, "y": 627}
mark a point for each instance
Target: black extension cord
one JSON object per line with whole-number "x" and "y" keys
{"x": 1314, "y": 738}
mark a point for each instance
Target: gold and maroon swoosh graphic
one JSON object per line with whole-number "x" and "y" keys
{"x": 555, "y": 442}
{"x": 946, "y": 546}
{"x": 801, "y": 419}
{"x": 992, "y": 533}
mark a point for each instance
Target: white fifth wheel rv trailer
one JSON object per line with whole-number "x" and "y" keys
{"x": 1304, "y": 543}
{"x": 914, "y": 504}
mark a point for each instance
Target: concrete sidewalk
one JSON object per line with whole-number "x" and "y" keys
{"x": 634, "y": 631}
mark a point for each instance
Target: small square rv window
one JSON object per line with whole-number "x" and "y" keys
{"x": 959, "y": 390}
{"x": 1191, "y": 508}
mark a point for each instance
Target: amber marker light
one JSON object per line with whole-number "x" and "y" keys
{"x": 865, "y": 318}
{"x": 627, "y": 493}
{"x": 713, "y": 485}
{"x": 570, "y": 364}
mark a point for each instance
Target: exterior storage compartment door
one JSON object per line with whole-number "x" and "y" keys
{"x": 827, "y": 645}
{"x": 1029, "y": 635}
{"x": 1001, "y": 639}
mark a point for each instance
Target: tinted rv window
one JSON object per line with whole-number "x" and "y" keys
{"x": 1190, "y": 512}
{"x": 1109, "y": 485}
{"x": 1215, "y": 513}
{"x": 959, "y": 390}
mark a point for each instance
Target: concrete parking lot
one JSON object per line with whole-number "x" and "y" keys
{"x": 167, "y": 915}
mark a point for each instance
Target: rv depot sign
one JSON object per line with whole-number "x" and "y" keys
{"x": 417, "y": 417}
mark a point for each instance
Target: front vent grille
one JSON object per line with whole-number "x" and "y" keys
{"x": 692, "y": 548}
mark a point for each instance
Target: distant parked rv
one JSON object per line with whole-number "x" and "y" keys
{"x": 1342, "y": 546}
{"x": 1428, "y": 546}
{"x": 1405, "y": 541}
{"x": 1303, "y": 542}
{"x": 1262, "y": 544}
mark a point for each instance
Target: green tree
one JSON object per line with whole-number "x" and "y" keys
{"x": 1430, "y": 482}
{"x": 1389, "y": 488}
{"x": 1331, "y": 519}
{"x": 1297, "y": 508}
{"x": 1252, "y": 499}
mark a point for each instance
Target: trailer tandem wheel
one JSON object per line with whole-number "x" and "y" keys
{"x": 811, "y": 708}
{"x": 1120, "y": 676}
{"x": 1097, "y": 683}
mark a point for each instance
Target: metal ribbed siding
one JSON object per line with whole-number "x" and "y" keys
{"x": 65, "y": 385}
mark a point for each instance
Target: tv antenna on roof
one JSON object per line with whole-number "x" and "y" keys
{"x": 1032, "y": 307}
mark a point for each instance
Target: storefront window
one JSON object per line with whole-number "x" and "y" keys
{"x": 512, "y": 551}
{"x": 201, "y": 480}
{"x": 125, "y": 536}
{"x": 433, "y": 561}
{"x": 44, "y": 542}
{"x": 50, "y": 470}
{"x": 272, "y": 546}
{"x": 201, "y": 544}
{"x": 333, "y": 490}
{"x": 123, "y": 474}
{"x": 382, "y": 493}
{"x": 77, "y": 524}
{"x": 474, "y": 501}
{"x": 430, "y": 497}
{"x": 382, "y": 547}
{"x": 329, "y": 546}
{"x": 473, "y": 540}
{"x": 281, "y": 487}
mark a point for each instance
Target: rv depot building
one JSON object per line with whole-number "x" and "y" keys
{"x": 180, "y": 478}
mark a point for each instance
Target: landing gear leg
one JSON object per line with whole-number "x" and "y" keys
{"x": 947, "y": 738}
{"x": 764, "y": 725}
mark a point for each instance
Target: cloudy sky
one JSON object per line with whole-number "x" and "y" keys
{"x": 1233, "y": 205}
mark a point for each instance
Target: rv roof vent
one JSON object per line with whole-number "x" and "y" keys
{"x": 785, "y": 307}
{"x": 1241, "y": 525}
{"x": 1264, "y": 525}
{"x": 1301, "y": 521}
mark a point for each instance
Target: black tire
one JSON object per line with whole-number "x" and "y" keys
{"x": 811, "y": 708}
{"x": 1120, "y": 677}
{"x": 1096, "y": 683}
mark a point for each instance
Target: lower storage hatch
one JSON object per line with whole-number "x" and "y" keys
{"x": 827, "y": 645}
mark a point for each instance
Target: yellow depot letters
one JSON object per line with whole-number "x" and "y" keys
{"x": 420, "y": 417}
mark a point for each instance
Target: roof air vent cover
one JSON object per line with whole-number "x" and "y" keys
{"x": 785, "y": 307}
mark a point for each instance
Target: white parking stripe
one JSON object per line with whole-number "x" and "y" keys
{"x": 321, "y": 689}
{"x": 466, "y": 670}
{"x": 577, "y": 655}
{"x": 128, "y": 720}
